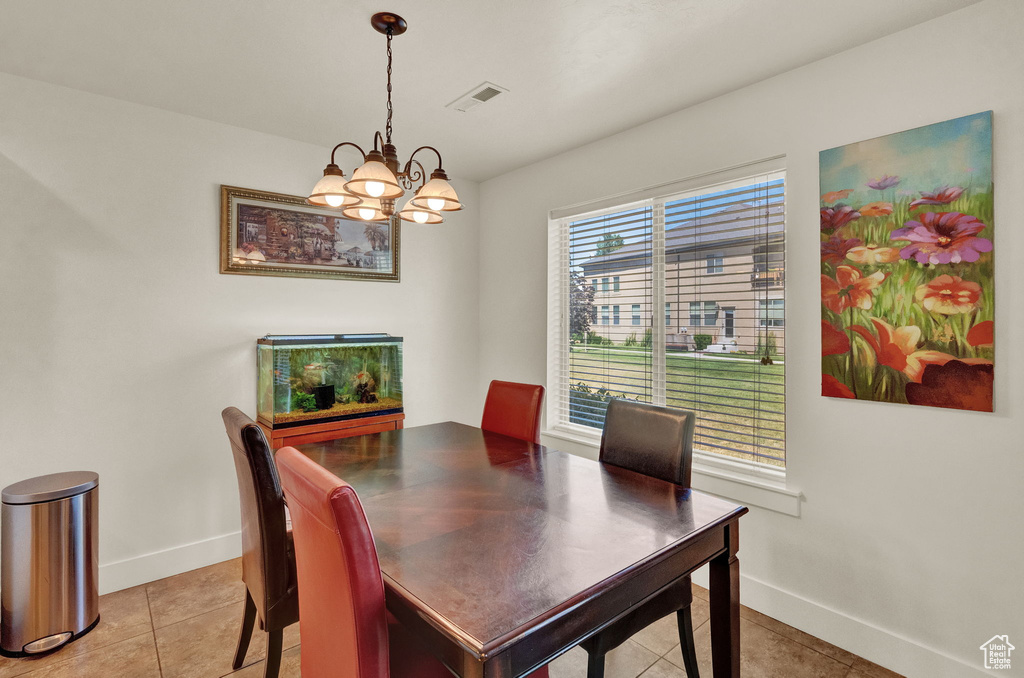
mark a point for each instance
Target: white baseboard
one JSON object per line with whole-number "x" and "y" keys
{"x": 149, "y": 567}
{"x": 888, "y": 649}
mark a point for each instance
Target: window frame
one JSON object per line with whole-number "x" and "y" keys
{"x": 745, "y": 472}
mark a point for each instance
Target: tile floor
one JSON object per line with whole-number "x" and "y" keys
{"x": 186, "y": 627}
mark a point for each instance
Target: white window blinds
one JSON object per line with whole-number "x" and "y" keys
{"x": 703, "y": 268}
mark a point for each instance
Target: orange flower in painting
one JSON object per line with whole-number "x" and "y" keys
{"x": 897, "y": 348}
{"x": 833, "y": 388}
{"x": 949, "y": 295}
{"x": 836, "y": 196}
{"x": 849, "y": 289}
{"x": 873, "y": 254}
{"x": 876, "y": 209}
{"x": 833, "y": 341}
{"x": 982, "y": 334}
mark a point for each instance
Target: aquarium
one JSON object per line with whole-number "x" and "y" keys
{"x": 310, "y": 379}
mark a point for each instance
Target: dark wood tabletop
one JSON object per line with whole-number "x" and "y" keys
{"x": 503, "y": 554}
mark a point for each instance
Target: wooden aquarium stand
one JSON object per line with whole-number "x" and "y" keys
{"x": 331, "y": 430}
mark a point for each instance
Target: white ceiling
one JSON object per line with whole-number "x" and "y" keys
{"x": 313, "y": 70}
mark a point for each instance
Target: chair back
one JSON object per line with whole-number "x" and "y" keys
{"x": 266, "y": 554}
{"x": 341, "y": 591}
{"x": 513, "y": 410}
{"x": 655, "y": 441}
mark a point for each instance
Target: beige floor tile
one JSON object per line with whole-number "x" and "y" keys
{"x": 805, "y": 639}
{"x": 700, "y": 592}
{"x": 123, "y": 615}
{"x": 628, "y": 660}
{"x": 291, "y": 666}
{"x": 663, "y": 634}
{"x": 204, "y": 645}
{"x": 664, "y": 669}
{"x": 765, "y": 654}
{"x": 862, "y": 667}
{"x": 135, "y": 657}
{"x": 177, "y": 598}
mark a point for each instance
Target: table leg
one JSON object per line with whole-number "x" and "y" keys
{"x": 725, "y": 608}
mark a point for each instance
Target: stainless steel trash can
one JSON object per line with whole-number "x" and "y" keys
{"x": 48, "y": 562}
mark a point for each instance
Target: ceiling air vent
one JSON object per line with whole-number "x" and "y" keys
{"x": 480, "y": 94}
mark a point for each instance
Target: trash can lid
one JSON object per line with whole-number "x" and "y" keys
{"x": 50, "y": 488}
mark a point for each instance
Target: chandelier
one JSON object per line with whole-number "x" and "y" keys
{"x": 371, "y": 193}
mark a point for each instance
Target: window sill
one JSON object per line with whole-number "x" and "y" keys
{"x": 746, "y": 483}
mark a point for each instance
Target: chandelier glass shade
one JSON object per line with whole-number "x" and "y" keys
{"x": 375, "y": 185}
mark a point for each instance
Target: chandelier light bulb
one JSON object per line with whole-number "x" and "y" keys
{"x": 435, "y": 204}
{"x": 420, "y": 217}
{"x": 375, "y": 188}
{"x": 366, "y": 213}
{"x": 334, "y": 200}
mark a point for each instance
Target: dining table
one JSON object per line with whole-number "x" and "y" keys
{"x": 501, "y": 554}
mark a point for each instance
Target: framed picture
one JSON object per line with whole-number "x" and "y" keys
{"x": 264, "y": 233}
{"x": 907, "y": 270}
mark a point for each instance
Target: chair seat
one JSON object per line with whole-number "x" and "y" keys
{"x": 409, "y": 659}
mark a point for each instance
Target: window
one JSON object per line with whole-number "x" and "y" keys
{"x": 594, "y": 285}
{"x": 771, "y": 312}
{"x": 703, "y": 313}
{"x": 593, "y": 315}
{"x": 674, "y": 244}
{"x": 615, "y": 315}
{"x": 604, "y": 315}
{"x": 604, "y": 284}
{"x": 615, "y": 284}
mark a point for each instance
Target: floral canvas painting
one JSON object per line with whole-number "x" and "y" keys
{"x": 907, "y": 299}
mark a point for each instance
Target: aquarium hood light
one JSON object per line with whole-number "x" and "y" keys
{"x": 371, "y": 193}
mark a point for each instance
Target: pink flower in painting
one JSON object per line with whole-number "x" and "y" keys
{"x": 943, "y": 196}
{"x": 834, "y": 218}
{"x": 943, "y": 238}
{"x": 834, "y": 250}
{"x": 884, "y": 183}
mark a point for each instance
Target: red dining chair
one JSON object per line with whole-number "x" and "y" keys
{"x": 345, "y": 629}
{"x": 513, "y": 410}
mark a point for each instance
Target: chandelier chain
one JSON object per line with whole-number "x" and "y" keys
{"x": 387, "y": 129}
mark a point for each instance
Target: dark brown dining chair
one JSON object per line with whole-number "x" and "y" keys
{"x": 513, "y": 410}
{"x": 268, "y": 557}
{"x": 658, "y": 442}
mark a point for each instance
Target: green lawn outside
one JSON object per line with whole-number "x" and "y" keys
{"x": 741, "y": 407}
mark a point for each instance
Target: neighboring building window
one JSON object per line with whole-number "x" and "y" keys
{"x": 771, "y": 312}
{"x": 593, "y": 314}
{"x": 594, "y": 285}
{"x": 678, "y": 239}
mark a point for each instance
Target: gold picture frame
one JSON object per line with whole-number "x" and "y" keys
{"x": 265, "y": 233}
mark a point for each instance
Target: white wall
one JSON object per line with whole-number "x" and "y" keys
{"x": 909, "y": 545}
{"x": 120, "y": 342}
